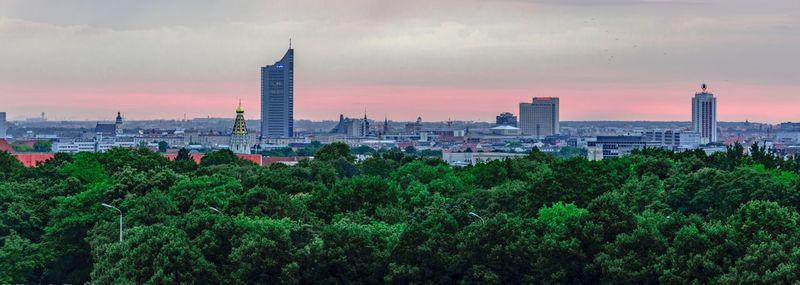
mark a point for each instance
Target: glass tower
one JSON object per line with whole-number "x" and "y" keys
{"x": 277, "y": 97}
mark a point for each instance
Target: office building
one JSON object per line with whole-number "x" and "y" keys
{"x": 673, "y": 139}
{"x": 506, "y": 119}
{"x": 461, "y": 158}
{"x": 704, "y": 116}
{"x": 540, "y": 117}
{"x": 277, "y": 97}
{"x": 604, "y": 147}
{"x": 240, "y": 141}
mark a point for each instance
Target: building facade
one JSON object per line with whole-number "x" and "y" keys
{"x": 414, "y": 128}
{"x": 673, "y": 139}
{"x": 352, "y": 127}
{"x": 472, "y": 158}
{"x": 540, "y": 117}
{"x": 109, "y": 130}
{"x": 3, "y": 126}
{"x": 788, "y": 133}
{"x": 240, "y": 140}
{"x": 604, "y": 147}
{"x": 506, "y": 119}
{"x": 704, "y": 116}
{"x": 277, "y": 97}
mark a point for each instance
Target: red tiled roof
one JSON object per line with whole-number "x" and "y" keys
{"x": 4, "y": 146}
{"x": 256, "y": 158}
{"x": 197, "y": 157}
{"x": 33, "y": 159}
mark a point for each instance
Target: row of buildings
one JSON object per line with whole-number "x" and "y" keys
{"x": 108, "y": 136}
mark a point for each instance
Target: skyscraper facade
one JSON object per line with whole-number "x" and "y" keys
{"x": 277, "y": 97}
{"x": 704, "y": 116}
{"x": 540, "y": 117}
{"x": 3, "y": 127}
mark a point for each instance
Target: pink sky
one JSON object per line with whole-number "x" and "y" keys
{"x": 458, "y": 59}
{"x": 735, "y": 103}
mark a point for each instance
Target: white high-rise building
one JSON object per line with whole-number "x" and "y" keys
{"x": 704, "y": 116}
{"x": 540, "y": 117}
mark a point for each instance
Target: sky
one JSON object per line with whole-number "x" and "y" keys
{"x": 443, "y": 59}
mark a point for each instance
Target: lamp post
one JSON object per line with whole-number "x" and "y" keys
{"x": 120, "y": 218}
{"x": 477, "y": 216}
{"x": 215, "y": 210}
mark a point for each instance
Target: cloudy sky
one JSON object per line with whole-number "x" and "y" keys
{"x": 439, "y": 59}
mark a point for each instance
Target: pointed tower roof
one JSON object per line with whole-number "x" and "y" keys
{"x": 239, "y": 126}
{"x": 239, "y": 109}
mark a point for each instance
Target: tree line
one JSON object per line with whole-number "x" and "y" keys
{"x": 653, "y": 217}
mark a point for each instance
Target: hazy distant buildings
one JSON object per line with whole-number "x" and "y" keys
{"x": 277, "y": 97}
{"x": 540, "y": 117}
{"x": 352, "y": 127}
{"x": 110, "y": 130}
{"x": 505, "y": 130}
{"x": 240, "y": 140}
{"x": 704, "y": 116}
{"x": 42, "y": 118}
{"x": 414, "y": 128}
{"x": 506, "y": 119}
{"x": 788, "y": 133}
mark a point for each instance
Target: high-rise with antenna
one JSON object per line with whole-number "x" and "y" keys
{"x": 704, "y": 115}
{"x": 277, "y": 97}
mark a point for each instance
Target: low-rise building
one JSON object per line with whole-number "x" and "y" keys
{"x": 472, "y": 158}
{"x": 75, "y": 146}
{"x": 675, "y": 140}
{"x": 604, "y": 147}
{"x": 506, "y": 130}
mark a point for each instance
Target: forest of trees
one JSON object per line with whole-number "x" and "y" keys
{"x": 654, "y": 217}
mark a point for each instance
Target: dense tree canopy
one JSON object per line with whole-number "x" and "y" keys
{"x": 654, "y": 217}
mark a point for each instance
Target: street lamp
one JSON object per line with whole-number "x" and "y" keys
{"x": 215, "y": 210}
{"x": 120, "y": 218}
{"x": 477, "y": 216}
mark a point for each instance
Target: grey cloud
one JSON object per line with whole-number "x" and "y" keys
{"x": 513, "y": 43}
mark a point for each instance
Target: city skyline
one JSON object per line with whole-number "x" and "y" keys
{"x": 606, "y": 60}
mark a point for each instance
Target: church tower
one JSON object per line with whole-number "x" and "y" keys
{"x": 118, "y": 124}
{"x": 240, "y": 142}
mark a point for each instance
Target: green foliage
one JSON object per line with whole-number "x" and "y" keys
{"x": 219, "y": 157}
{"x": 19, "y": 147}
{"x": 654, "y": 217}
{"x": 162, "y": 146}
{"x": 43, "y": 146}
{"x": 9, "y": 166}
{"x": 334, "y": 151}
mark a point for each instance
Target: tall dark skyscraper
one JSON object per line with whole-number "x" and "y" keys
{"x": 277, "y": 97}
